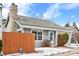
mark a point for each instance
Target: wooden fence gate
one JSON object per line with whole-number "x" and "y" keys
{"x": 13, "y": 41}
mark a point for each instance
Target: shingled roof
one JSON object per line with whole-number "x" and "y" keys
{"x": 29, "y": 21}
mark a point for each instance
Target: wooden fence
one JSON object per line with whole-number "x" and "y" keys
{"x": 13, "y": 41}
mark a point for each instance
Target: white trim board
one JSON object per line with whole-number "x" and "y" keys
{"x": 45, "y": 28}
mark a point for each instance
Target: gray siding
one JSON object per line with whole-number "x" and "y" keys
{"x": 27, "y": 30}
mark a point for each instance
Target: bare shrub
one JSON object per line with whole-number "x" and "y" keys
{"x": 46, "y": 43}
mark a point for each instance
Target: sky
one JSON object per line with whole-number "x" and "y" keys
{"x": 59, "y": 13}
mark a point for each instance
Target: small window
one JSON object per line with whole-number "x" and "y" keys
{"x": 38, "y": 35}
{"x": 51, "y": 36}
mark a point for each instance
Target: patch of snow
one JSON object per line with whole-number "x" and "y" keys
{"x": 73, "y": 45}
{"x": 46, "y": 51}
{"x": 75, "y": 55}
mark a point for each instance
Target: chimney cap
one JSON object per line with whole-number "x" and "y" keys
{"x": 13, "y": 3}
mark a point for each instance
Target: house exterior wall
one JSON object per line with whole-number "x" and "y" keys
{"x": 27, "y": 30}
{"x": 45, "y": 36}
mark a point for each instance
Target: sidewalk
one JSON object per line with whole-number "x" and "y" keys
{"x": 73, "y": 51}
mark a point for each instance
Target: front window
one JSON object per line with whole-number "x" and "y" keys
{"x": 38, "y": 35}
{"x": 51, "y": 36}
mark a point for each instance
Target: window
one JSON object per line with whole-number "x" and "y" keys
{"x": 38, "y": 35}
{"x": 51, "y": 36}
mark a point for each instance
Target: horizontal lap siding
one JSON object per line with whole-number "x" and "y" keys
{"x": 13, "y": 41}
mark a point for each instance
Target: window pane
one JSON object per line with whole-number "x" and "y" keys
{"x": 39, "y": 33}
{"x": 51, "y": 34}
{"x": 39, "y": 37}
{"x": 51, "y": 38}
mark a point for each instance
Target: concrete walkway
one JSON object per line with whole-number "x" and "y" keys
{"x": 73, "y": 51}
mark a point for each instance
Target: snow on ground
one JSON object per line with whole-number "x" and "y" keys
{"x": 75, "y": 55}
{"x": 44, "y": 52}
{"x": 73, "y": 45}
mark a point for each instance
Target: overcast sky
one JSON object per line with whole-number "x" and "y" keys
{"x": 60, "y": 13}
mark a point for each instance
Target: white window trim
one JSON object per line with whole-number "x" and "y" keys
{"x": 52, "y": 36}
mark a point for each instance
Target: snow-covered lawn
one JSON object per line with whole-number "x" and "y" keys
{"x": 73, "y": 45}
{"x": 44, "y": 51}
{"x": 75, "y": 55}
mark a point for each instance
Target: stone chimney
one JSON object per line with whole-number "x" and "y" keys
{"x": 13, "y": 10}
{"x": 12, "y": 16}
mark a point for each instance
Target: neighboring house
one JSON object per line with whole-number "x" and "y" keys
{"x": 74, "y": 30}
{"x": 0, "y": 11}
{"x": 43, "y": 29}
{"x": 0, "y": 21}
{"x": 0, "y": 30}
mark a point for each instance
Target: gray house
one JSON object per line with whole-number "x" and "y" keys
{"x": 43, "y": 29}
